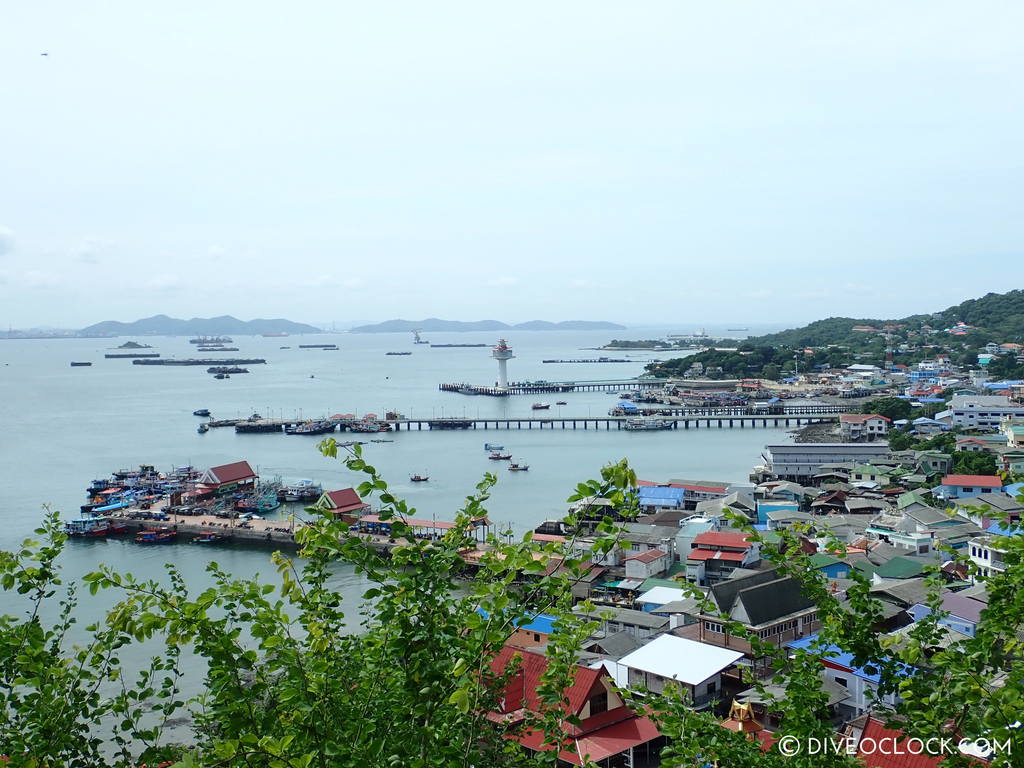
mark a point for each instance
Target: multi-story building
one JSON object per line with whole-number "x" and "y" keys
{"x": 800, "y": 462}
{"x": 983, "y": 411}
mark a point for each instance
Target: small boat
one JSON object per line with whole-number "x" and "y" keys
{"x": 418, "y": 478}
{"x": 513, "y": 467}
{"x": 493, "y": 447}
{"x": 540, "y": 406}
{"x": 158, "y": 536}
{"x": 75, "y": 364}
{"x": 561, "y": 402}
{"x": 499, "y": 456}
{"x": 202, "y": 429}
{"x": 201, "y": 412}
{"x": 208, "y": 537}
{"x": 221, "y": 376}
{"x": 94, "y": 527}
{"x": 398, "y": 353}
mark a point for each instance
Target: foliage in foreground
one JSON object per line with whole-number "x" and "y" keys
{"x": 290, "y": 682}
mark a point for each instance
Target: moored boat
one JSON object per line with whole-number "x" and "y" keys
{"x": 540, "y": 406}
{"x": 156, "y": 536}
{"x": 201, "y": 412}
{"x": 208, "y": 537}
{"x": 202, "y": 429}
{"x": 94, "y": 527}
{"x": 647, "y": 424}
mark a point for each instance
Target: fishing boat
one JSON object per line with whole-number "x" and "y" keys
{"x": 201, "y": 412}
{"x": 499, "y": 456}
{"x": 202, "y": 429}
{"x": 561, "y": 402}
{"x": 156, "y": 536}
{"x": 209, "y": 537}
{"x": 493, "y": 447}
{"x": 418, "y": 478}
{"x": 304, "y": 490}
{"x": 311, "y": 428}
{"x": 514, "y": 467}
{"x": 94, "y": 527}
{"x": 540, "y": 406}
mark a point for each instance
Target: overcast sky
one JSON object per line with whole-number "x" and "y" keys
{"x": 641, "y": 162}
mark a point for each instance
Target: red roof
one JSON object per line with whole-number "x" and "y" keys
{"x": 715, "y": 539}
{"x": 345, "y": 500}
{"x": 704, "y": 488}
{"x": 715, "y": 554}
{"x": 983, "y": 481}
{"x": 874, "y": 754}
{"x": 521, "y": 689}
{"x": 860, "y": 418}
{"x": 602, "y": 743}
{"x": 232, "y": 473}
{"x": 647, "y": 557}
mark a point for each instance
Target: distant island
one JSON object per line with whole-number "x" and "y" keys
{"x": 433, "y": 324}
{"x": 162, "y": 325}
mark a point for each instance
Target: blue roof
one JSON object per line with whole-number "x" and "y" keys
{"x": 627, "y": 406}
{"x": 930, "y": 400}
{"x": 542, "y": 622}
{"x": 1014, "y": 489}
{"x": 838, "y": 656}
{"x": 661, "y": 493}
{"x": 1002, "y": 529}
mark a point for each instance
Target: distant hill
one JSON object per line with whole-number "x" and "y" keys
{"x": 162, "y": 325}
{"x": 996, "y": 315}
{"x": 433, "y": 324}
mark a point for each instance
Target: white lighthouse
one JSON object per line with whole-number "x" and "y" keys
{"x": 502, "y": 353}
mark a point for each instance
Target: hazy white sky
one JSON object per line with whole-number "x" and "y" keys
{"x": 640, "y": 162}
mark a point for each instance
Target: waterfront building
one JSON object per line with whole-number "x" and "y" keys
{"x": 800, "y": 462}
{"x": 227, "y": 478}
{"x": 863, "y": 426}
{"x": 342, "y": 502}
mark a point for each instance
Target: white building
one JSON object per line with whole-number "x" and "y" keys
{"x": 982, "y": 411}
{"x": 696, "y": 666}
{"x": 863, "y": 426}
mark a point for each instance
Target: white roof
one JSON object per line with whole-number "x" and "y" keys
{"x": 680, "y": 659}
{"x": 661, "y": 595}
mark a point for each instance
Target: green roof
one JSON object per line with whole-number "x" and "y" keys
{"x": 908, "y": 498}
{"x": 901, "y": 567}
{"x": 868, "y": 469}
{"x": 822, "y": 560}
{"x": 652, "y": 583}
{"x": 677, "y": 569}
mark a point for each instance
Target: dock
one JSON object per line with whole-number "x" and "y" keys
{"x": 680, "y": 418}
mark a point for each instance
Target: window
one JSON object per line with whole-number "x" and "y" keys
{"x": 599, "y": 703}
{"x": 843, "y": 682}
{"x": 713, "y": 626}
{"x": 712, "y": 687}
{"x": 536, "y": 637}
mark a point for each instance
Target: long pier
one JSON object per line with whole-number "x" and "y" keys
{"x": 694, "y": 418}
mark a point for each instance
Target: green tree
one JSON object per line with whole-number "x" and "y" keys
{"x": 771, "y": 371}
{"x": 891, "y": 407}
{"x": 974, "y": 463}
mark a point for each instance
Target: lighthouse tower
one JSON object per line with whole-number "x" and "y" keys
{"x": 502, "y": 353}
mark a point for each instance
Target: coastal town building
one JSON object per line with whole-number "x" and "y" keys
{"x": 983, "y": 411}
{"x": 800, "y": 462}
{"x": 697, "y": 666}
{"x": 863, "y": 426}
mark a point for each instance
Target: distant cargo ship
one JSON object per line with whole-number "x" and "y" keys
{"x": 275, "y": 335}
{"x": 458, "y": 345}
{"x": 737, "y": 329}
{"x": 211, "y": 341}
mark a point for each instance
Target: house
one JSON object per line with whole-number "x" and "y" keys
{"x": 963, "y": 616}
{"x": 227, "y": 478}
{"x": 342, "y": 502}
{"x": 644, "y": 565}
{"x": 934, "y": 462}
{"x": 868, "y": 732}
{"x": 983, "y": 411}
{"x": 987, "y": 508}
{"x": 696, "y": 666}
{"x": 598, "y": 726}
{"x": 973, "y": 445}
{"x": 831, "y": 567}
{"x": 965, "y": 486}
{"x": 714, "y": 555}
{"x": 700, "y": 490}
{"x": 862, "y": 683}
{"x": 866, "y": 473}
{"x": 988, "y": 552}
{"x": 638, "y": 624}
{"x": 656, "y": 597}
{"x": 863, "y": 426}
{"x": 654, "y": 497}
{"x": 772, "y": 608}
